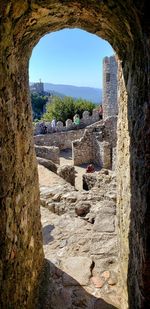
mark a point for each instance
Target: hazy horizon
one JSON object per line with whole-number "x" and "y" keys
{"x": 32, "y": 82}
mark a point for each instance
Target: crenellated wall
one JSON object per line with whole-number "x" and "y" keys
{"x": 87, "y": 119}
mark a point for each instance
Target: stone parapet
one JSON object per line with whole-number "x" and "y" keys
{"x": 86, "y": 119}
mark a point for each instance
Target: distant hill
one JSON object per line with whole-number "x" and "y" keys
{"x": 87, "y": 93}
{"x": 54, "y": 93}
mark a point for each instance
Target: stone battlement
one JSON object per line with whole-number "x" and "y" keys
{"x": 87, "y": 119}
{"x": 96, "y": 143}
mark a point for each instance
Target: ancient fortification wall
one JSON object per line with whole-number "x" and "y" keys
{"x": 97, "y": 144}
{"x": 93, "y": 144}
{"x": 126, "y": 26}
{"x": 63, "y": 140}
{"x": 110, "y": 87}
{"x": 87, "y": 119}
{"x": 82, "y": 149}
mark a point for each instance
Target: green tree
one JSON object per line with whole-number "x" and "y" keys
{"x": 38, "y": 103}
{"x": 83, "y": 105}
{"x": 66, "y": 107}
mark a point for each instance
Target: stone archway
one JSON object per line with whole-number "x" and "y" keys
{"x": 127, "y": 29}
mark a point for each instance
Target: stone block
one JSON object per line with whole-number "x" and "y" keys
{"x": 77, "y": 270}
{"x": 104, "y": 244}
{"x": 67, "y": 172}
{"x": 49, "y": 153}
{"x": 68, "y": 123}
{"x": 104, "y": 223}
{"x": 48, "y": 164}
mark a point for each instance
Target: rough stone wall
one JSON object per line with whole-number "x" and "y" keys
{"x": 86, "y": 120}
{"x": 21, "y": 253}
{"x": 126, "y": 26}
{"x": 123, "y": 188}
{"x": 67, "y": 172}
{"x": 105, "y": 155}
{"x": 133, "y": 179}
{"x": 110, "y": 130}
{"x": 49, "y": 153}
{"x": 96, "y": 144}
{"x": 110, "y": 85}
{"x": 134, "y": 188}
{"x": 114, "y": 158}
{"x": 82, "y": 149}
{"x": 63, "y": 140}
{"x": 89, "y": 181}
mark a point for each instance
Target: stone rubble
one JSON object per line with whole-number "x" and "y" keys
{"x": 80, "y": 243}
{"x": 68, "y": 173}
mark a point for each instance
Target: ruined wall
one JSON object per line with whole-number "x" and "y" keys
{"x": 126, "y": 26}
{"x": 86, "y": 119}
{"x": 63, "y": 140}
{"x": 82, "y": 149}
{"x": 102, "y": 154}
{"x": 68, "y": 173}
{"x": 96, "y": 144}
{"x": 110, "y": 87}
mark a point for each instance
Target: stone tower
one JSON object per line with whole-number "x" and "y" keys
{"x": 37, "y": 87}
{"x": 110, "y": 67}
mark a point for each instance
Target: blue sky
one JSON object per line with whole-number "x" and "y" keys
{"x": 70, "y": 56}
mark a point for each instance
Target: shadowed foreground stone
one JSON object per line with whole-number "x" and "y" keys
{"x": 79, "y": 268}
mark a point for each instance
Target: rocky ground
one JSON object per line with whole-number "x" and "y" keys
{"x": 80, "y": 243}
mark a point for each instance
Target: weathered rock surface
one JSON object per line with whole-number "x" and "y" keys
{"x": 82, "y": 208}
{"x": 68, "y": 173}
{"x": 78, "y": 267}
{"x": 48, "y": 152}
{"x": 48, "y": 164}
{"x": 82, "y": 242}
{"x": 89, "y": 181}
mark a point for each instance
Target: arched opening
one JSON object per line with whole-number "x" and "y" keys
{"x": 73, "y": 219}
{"x": 126, "y": 27}
{"x": 76, "y": 57}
